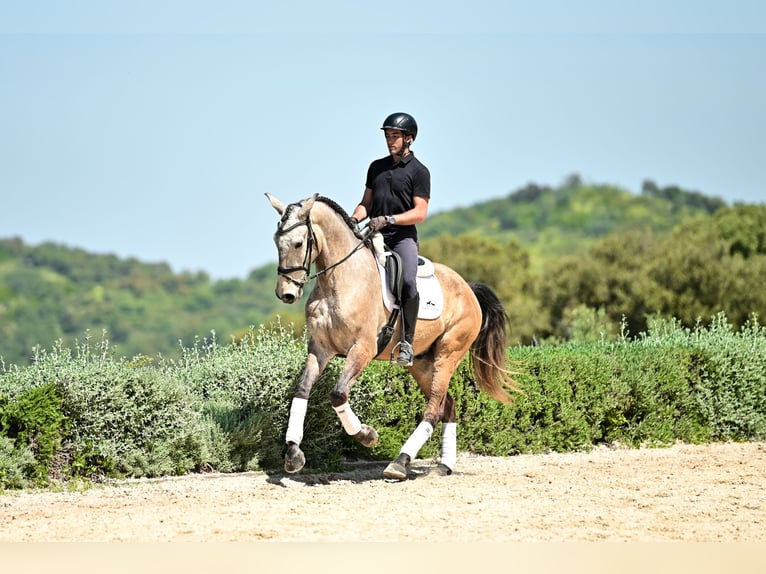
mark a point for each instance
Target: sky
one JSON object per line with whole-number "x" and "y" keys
{"x": 153, "y": 129}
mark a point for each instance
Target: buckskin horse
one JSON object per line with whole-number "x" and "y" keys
{"x": 346, "y": 312}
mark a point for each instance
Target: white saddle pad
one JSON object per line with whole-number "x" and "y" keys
{"x": 429, "y": 288}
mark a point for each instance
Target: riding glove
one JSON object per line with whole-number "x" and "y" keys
{"x": 378, "y": 223}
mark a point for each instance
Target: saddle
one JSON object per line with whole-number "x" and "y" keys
{"x": 429, "y": 288}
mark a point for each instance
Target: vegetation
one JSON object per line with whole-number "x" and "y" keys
{"x": 634, "y": 319}
{"x": 546, "y": 251}
{"x": 703, "y": 265}
{"x": 550, "y": 222}
{"x": 88, "y": 414}
{"x": 50, "y": 292}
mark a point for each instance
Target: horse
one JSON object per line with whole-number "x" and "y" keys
{"x": 345, "y": 313}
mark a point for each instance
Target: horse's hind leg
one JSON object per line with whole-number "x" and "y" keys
{"x": 433, "y": 379}
{"x": 448, "y": 458}
{"x": 449, "y": 438}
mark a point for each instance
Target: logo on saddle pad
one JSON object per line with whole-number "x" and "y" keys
{"x": 429, "y": 288}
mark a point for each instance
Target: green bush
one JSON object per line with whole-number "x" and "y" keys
{"x": 17, "y": 463}
{"x": 33, "y": 421}
{"x": 115, "y": 418}
{"x": 244, "y": 391}
{"x": 87, "y": 413}
{"x": 728, "y": 373}
{"x": 577, "y": 396}
{"x": 573, "y": 397}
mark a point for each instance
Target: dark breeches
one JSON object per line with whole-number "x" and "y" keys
{"x": 407, "y": 249}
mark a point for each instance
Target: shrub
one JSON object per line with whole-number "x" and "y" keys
{"x": 33, "y": 421}
{"x": 17, "y": 463}
{"x": 243, "y": 391}
{"x": 87, "y": 413}
{"x": 115, "y": 418}
{"x": 728, "y": 372}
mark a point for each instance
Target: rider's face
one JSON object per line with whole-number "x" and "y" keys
{"x": 395, "y": 141}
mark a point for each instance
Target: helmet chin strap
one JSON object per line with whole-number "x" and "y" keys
{"x": 405, "y": 148}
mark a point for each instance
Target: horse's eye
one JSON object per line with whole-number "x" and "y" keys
{"x": 298, "y": 244}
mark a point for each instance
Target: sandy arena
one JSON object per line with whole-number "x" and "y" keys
{"x": 707, "y": 493}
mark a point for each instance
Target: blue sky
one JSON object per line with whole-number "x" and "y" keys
{"x": 153, "y": 129}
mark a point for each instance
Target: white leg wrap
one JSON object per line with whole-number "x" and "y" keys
{"x": 449, "y": 445}
{"x": 351, "y": 422}
{"x": 417, "y": 439}
{"x": 295, "y": 423}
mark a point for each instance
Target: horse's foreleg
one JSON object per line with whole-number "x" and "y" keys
{"x": 294, "y": 457}
{"x": 355, "y": 364}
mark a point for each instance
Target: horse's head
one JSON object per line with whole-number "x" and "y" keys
{"x": 296, "y": 247}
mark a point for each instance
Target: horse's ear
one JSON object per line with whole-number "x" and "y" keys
{"x": 306, "y": 206}
{"x": 276, "y": 204}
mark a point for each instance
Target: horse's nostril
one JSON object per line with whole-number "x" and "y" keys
{"x": 288, "y": 298}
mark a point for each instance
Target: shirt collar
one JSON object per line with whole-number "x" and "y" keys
{"x": 405, "y": 160}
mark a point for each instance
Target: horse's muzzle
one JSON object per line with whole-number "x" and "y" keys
{"x": 287, "y": 292}
{"x": 288, "y": 298}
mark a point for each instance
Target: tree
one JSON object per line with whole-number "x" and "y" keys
{"x": 611, "y": 277}
{"x": 504, "y": 266}
{"x": 743, "y": 228}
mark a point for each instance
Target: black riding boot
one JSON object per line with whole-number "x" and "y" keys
{"x": 409, "y": 319}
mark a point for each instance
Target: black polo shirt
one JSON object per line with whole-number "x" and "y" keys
{"x": 394, "y": 186}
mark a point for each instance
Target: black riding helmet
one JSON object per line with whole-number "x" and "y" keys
{"x": 403, "y": 122}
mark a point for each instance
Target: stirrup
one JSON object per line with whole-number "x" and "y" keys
{"x": 404, "y": 359}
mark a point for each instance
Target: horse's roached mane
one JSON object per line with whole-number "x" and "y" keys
{"x": 338, "y": 209}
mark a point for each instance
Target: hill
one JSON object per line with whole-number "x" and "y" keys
{"x": 549, "y": 222}
{"x": 50, "y": 292}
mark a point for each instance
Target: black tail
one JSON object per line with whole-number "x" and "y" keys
{"x": 489, "y": 349}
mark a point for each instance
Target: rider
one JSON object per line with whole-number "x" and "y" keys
{"x": 395, "y": 199}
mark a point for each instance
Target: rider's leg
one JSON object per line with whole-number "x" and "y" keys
{"x": 408, "y": 252}
{"x": 409, "y": 318}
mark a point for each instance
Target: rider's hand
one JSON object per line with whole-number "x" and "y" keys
{"x": 378, "y": 223}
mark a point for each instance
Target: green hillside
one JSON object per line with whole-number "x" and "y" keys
{"x": 550, "y": 222}
{"x": 49, "y": 292}
{"x": 552, "y": 254}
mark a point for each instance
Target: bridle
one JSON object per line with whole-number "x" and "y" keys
{"x": 310, "y": 241}
{"x": 306, "y": 267}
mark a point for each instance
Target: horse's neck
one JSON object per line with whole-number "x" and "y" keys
{"x": 338, "y": 242}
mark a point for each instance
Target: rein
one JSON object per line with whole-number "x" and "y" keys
{"x": 306, "y": 267}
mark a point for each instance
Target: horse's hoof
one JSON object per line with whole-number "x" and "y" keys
{"x": 440, "y": 470}
{"x": 397, "y": 469}
{"x": 368, "y": 436}
{"x": 294, "y": 458}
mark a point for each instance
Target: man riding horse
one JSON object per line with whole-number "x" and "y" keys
{"x": 346, "y": 311}
{"x": 396, "y": 194}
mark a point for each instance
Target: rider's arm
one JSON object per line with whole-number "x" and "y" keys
{"x": 362, "y": 211}
{"x": 415, "y": 215}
